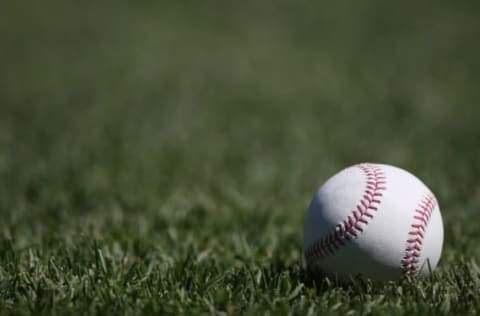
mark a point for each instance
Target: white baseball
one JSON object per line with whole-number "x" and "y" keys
{"x": 374, "y": 220}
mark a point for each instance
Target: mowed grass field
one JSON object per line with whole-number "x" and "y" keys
{"x": 159, "y": 157}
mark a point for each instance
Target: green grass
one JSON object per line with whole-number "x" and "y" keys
{"x": 159, "y": 157}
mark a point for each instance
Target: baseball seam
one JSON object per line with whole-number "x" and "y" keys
{"x": 411, "y": 260}
{"x": 349, "y": 228}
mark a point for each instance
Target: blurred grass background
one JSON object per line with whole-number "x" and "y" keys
{"x": 155, "y": 129}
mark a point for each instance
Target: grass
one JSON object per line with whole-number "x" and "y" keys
{"x": 158, "y": 158}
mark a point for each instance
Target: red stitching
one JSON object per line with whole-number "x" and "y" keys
{"x": 362, "y": 214}
{"x": 410, "y": 262}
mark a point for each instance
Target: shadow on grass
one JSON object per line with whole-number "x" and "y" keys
{"x": 321, "y": 282}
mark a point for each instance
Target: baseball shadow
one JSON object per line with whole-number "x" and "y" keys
{"x": 321, "y": 282}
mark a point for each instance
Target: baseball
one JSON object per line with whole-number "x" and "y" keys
{"x": 373, "y": 220}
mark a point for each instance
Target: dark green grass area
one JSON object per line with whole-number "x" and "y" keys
{"x": 157, "y": 157}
